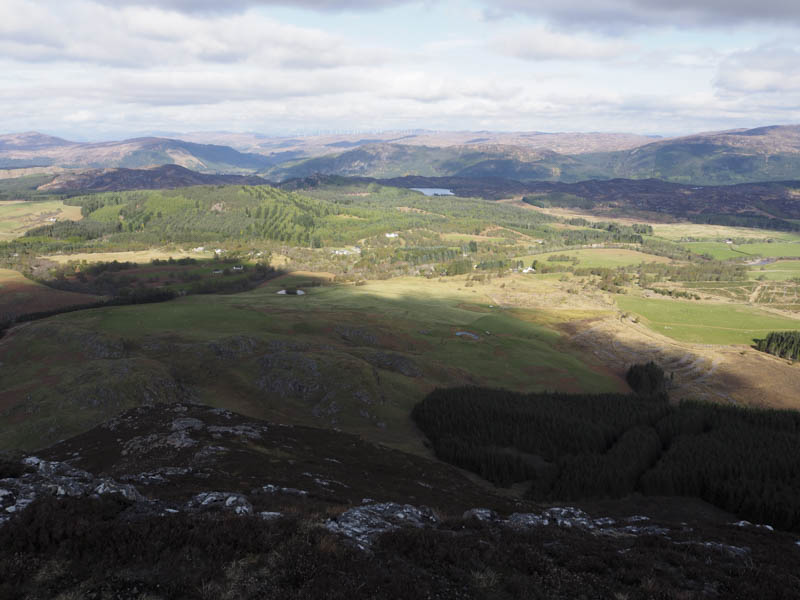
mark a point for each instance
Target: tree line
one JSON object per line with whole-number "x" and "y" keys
{"x": 785, "y": 344}
{"x": 581, "y": 446}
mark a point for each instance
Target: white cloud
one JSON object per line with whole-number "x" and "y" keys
{"x": 147, "y": 38}
{"x": 539, "y": 43}
{"x": 769, "y": 69}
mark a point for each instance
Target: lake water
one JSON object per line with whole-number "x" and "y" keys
{"x": 434, "y": 191}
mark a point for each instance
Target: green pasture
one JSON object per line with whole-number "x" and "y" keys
{"x": 777, "y": 271}
{"x": 724, "y": 251}
{"x": 705, "y": 323}
{"x": 595, "y": 257}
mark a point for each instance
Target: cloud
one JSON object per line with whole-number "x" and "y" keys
{"x": 223, "y": 6}
{"x": 539, "y": 43}
{"x": 616, "y": 15}
{"x": 768, "y": 69}
{"x": 137, "y": 37}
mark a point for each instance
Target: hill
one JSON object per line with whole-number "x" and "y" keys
{"x": 163, "y": 177}
{"x": 470, "y": 161}
{"x": 761, "y": 154}
{"x": 24, "y": 150}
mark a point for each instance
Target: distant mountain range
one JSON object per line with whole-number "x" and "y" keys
{"x": 715, "y": 158}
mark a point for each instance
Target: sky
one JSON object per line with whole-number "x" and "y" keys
{"x": 109, "y": 69}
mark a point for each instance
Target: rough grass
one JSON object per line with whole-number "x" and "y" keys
{"x": 706, "y": 323}
{"x": 18, "y": 217}
{"x": 136, "y": 256}
{"x": 19, "y": 295}
{"x": 679, "y": 231}
{"x": 411, "y": 317}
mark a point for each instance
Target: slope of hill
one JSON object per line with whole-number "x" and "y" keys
{"x": 183, "y": 500}
{"x": 163, "y": 177}
{"x": 31, "y": 140}
{"x": 717, "y": 158}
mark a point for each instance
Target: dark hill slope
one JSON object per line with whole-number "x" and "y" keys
{"x": 186, "y": 501}
{"x": 163, "y": 177}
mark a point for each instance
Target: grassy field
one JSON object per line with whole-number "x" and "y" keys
{"x": 139, "y": 256}
{"x": 19, "y": 295}
{"x": 353, "y": 357}
{"x": 723, "y": 251}
{"x": 678, "y": 231}
{"x": 18, "y": 217}
{"x": 705, "y": 323}
{"x": 597, "y": 257}
{"x": 777, "y": 271}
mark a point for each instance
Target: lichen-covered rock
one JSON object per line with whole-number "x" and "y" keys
{"x": 484, "y": 515}
{"x": 364, "y": 524}
{"x": 227, "y": 501}
{"x": 126, "y": 490}
{"x": 45, "y": 478}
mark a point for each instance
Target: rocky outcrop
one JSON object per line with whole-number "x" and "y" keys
{"x": 42, "y": 478}
{"x": 364, "y": 524}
